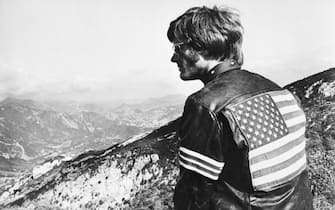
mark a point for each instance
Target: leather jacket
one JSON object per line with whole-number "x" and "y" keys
{"x": 215, "y": 154}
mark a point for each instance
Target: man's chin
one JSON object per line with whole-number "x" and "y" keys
{"x": 182, "y": 76}
{"x": 185, "y": 77}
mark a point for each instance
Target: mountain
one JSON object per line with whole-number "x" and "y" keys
{"x": 140, "y": 173}
{"x": 34, "y": 131}
{"x": 152, "y": 112}
{"x": 31, "y": 131}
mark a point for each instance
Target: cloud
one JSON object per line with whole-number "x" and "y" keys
{"x": 16, "y": 82}
{"x": 88, "y": 86}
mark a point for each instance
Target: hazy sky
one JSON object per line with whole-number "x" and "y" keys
{"x": 107, "y": 50}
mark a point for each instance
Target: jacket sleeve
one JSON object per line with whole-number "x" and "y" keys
{"x": 201, "y": 146}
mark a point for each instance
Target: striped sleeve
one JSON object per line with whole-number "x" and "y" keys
{"x": 201, "y": 146}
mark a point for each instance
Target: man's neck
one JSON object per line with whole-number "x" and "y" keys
{"x": 218, "y": 67}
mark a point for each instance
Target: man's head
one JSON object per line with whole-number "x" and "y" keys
{"x": 205, "y": 34}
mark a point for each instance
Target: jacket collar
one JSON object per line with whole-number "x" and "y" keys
{"x": 224, "y": 66}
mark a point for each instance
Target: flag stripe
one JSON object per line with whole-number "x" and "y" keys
{"x": 281, "y": 104}
{"x": 295, "y": 121}
{"x": 201, "y": 164}
{"x": 277, "y": 183}
{"x": 283, "y": 95}
{"x": 276, "y": 144}
{"x": 270, "y": 184}
{"x": 274, "y": 153}
{"x": 204, "y": 158}
{"x": 297, "y": 127}
{"x": 292, "y": 115}
{"x": 198, "y": 169}
{"x": 281, "y": 173}
{"x": 289, "y": 108}
{"x": 279, "y": 163}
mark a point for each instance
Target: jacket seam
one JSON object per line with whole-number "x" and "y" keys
{"x": 211, "y": 113}
{"x": 229, "y": 101}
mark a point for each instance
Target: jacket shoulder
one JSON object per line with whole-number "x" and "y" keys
{"x": 230, "y": 85}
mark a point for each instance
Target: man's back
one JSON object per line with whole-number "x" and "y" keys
{"x": 215, "y": 129}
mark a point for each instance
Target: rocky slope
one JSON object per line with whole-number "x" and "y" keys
{"x": 140, "y": 173}
{"x": 317, "y": 96}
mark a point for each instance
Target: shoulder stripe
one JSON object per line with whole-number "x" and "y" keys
{"x": 198, "y": 170}
{"x": 197, "y": 155}
{"x": 199, "y": 163}
{"x": 195, "y": 162}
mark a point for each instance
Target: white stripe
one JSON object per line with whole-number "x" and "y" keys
{"x": 204, "y": 173}
{"x": 295, "y": 121}
{"x": 287, "y": 97}
{"x": 278, "y": 143}
{"x": 278, "y": 159}
{"x": 280, "y": 174}
{"x": 290, "y": 108}
{"x": 214, "y": 170}
{"x": 202, "y": 157}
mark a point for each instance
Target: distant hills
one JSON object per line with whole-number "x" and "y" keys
{"x": 32, "y": 132}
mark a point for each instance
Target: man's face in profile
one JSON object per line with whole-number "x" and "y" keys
{"x": 187, "y": 62}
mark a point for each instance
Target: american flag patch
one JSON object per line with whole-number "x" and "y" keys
{"x": 274, "y": 127}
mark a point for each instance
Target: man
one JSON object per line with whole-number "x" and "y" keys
{"x": 242, "y": 143}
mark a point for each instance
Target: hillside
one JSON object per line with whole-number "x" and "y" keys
{"x": 317, "y": 96}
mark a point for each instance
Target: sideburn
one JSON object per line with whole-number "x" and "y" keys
{"x": 192, "y": 57}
